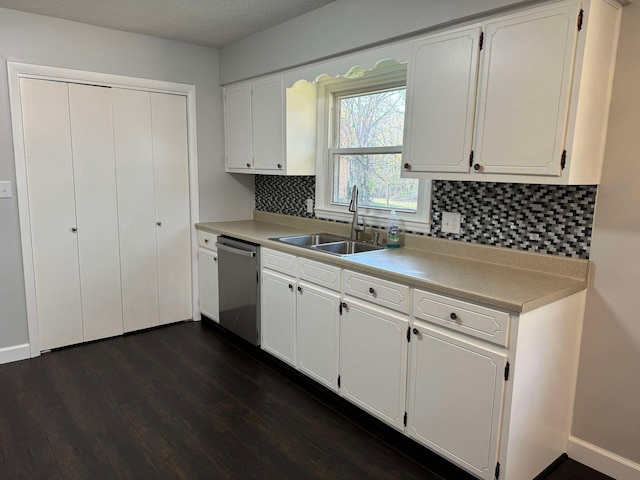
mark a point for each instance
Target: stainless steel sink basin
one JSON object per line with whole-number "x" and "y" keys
{"x": 309, "y": 240}
{"x": 329, "y": 243}
{"x": 346, "y": 248}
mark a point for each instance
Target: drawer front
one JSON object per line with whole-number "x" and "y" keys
{"x": 480, "y": 322}
{"x": 375, "y": 290}
{"x": 207, "y": 240}
{"x": 279, "y": 261}
{"x": 319, "y": 273}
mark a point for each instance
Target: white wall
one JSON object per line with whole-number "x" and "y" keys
{"x": 339, "y": 27}
{"x": 42, "y": 40}
{"x": 607, "y": 409}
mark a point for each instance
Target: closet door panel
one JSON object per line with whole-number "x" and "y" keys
{"x": 136, "y": 207}
{"x": 47, "y": 140}
{"x": 96, "y": 210}
{"x": 170, "y": 153}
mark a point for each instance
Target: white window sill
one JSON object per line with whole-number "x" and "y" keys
{"x": 375, "y": 218}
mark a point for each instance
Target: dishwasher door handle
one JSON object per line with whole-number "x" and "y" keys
{"x": 235, "y": 251}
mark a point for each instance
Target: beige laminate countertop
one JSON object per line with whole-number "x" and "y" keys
{"x": 502, "y": 284}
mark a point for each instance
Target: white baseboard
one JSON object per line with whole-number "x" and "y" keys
{"x": 602, "y": 460}
{"x": 14, "y": 353}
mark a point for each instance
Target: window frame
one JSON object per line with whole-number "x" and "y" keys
{"x": 329, "y": 90}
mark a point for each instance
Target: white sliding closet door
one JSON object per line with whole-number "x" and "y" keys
{"x": 47, "y": 142}
{"x": 170, "y": 154}
{"x": 96, "y": 210}
{"x": 137, "y": 207}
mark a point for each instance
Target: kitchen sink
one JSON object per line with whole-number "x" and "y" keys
{"x": 346, "y": 247}
{"x": 329, "y": 243}
{"x": 309, "y": 240}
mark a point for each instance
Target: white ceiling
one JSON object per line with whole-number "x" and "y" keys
{"x": 213, "y": 23}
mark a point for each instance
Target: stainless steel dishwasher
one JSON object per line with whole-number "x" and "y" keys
{"x": 238, "y": 264}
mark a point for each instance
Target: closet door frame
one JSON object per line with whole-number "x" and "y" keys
{"x": 16, "y": 71}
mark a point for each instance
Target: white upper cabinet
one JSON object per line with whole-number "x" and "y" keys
{"x": 237, "y": 123}
{"x": 270, "y": 129}
{"x": 441, "y": 93}
{"x": 523, "y": 94}
{"x": 542, "y": 84}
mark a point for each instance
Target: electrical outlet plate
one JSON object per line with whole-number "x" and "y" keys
{"x": 451, "y": 222}
{"x": 5, "y": 189}
{"x": 309, "y": 205}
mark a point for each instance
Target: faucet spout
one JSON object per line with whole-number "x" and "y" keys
{"x": 356, "y": 228}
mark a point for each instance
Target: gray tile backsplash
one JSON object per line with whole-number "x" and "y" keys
{"x": 551, "y": 219}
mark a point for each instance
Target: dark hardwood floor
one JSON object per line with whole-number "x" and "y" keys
{"x": 185, "y": 402}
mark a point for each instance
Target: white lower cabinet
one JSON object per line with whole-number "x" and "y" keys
{"x": 208, "y": 281}
{"x": 318, "y": 334}
{"x": 373, "y": 360}
{"x": 278, "y": 315}
{"x": 455, "y": 396}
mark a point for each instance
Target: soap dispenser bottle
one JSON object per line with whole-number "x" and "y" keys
{"x": 393, "y": 231}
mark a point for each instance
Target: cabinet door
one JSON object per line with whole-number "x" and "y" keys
{"x": 318, "y": 334}
{"x": 171, "y": 175}
{"x": 524, "y": 92}
{"x": 237, "y": 126}
{"x": 267, "y": 110}
{"x": 455, "y": 399}
{"x": 278, "y": 315}
{"x": 373, "y": 360}
{"x": 47, "y": 142}
{"x": 441, "y": 96}
{"x": 96, "y": 209}
{"x": 208, "y": 280}
{"x": 134, "y": 168}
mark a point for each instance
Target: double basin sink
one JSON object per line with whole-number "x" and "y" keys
{"x": 328, "y": 243}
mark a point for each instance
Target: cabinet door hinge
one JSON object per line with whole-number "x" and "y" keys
{"x": 563, "y": 160}
{"x": 338, "y": 381}
{"x": 497, "y": 470}
{"x": 580, "y": 18}
{"x": 507, "y": 368}
{"x": 471, "y": 159}
{"x": 405, "y": 419}
{"x": 408, "y": 334}
{"x": 481, "y": 40}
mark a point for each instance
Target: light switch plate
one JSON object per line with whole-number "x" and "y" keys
{"x": 451, "y": 222}
{"x": 5, "y": 189}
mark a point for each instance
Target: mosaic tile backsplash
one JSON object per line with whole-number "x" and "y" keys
{"x": 551, "y": 219}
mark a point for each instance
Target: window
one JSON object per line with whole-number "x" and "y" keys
{"x": 362, "y": 123}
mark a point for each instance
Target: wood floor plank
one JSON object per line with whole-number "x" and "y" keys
{"x": 31, "y": 460}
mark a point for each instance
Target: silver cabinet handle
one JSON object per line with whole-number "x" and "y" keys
{"x": 236, "y": 251}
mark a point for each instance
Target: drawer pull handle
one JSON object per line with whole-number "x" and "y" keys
{"x": 300, "y": 289}
{"x": 290, "y": 287}
{"x": 159, "y": 224}
{"x": 215, "y": 259}
{"x": 477, "y": 167}
{"x": 416, "y": 331}
{"x": 453, "y": 316}
{"x": 248, "y": 165}
{"x": 280, "y": 165}
{"x": 206, "y": 240}
{"x": 74, "y": 229}
{"x": 372, "y": 291}
{"x": 407, "y": 166}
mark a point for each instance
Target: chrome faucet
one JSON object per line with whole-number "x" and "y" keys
{"x": 356, "y": 228}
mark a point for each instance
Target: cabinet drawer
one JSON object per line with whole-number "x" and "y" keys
{"x": 207, "y": 240}
{"x": 279, "y": 261}
{"x": 480, "y": 322}
{"x": 319, "y": 273}
{"x": 375, "y": 290}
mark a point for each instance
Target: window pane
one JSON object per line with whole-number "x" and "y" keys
{"x": 378, "y": 180}
{"x": 372, "y": 120}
